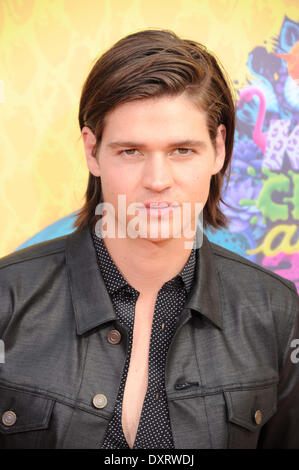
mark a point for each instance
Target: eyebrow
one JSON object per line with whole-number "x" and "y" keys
{"x": 178, "y": 144}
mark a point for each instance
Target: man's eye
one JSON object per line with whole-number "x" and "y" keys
{"x": 129, "y": 152}
{"x": 183, "y": 151}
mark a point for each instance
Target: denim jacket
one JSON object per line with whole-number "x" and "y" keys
{"x": 232, "y": 371}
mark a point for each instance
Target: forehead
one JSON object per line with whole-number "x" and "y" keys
{"x": 171, "y": 116}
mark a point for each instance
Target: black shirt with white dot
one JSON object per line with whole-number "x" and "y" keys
{"x": 154, "y": 429}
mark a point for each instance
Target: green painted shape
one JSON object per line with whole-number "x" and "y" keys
{"x": 294, "y": 199}
{"x": 270, "y": 209}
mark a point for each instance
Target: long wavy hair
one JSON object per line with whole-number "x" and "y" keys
{"x": 153, "y": 63}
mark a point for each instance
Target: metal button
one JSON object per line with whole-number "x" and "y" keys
{"x": 99, "y": 400}
{"x": 258, "y": 416}
{"x": 114, "y": 336}
{"x": 9, "y": 418}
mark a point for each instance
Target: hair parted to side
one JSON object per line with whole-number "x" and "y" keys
{"x": 154, "y": 63}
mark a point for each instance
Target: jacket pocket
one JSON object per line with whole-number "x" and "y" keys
{"x": 247, "y": 412}
{"x": 22, "y": 413}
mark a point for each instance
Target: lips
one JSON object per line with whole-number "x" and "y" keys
{"x": 158, "y": 209}
{"x": 159, "y": 204}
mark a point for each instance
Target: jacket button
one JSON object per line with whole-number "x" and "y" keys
{"x": 99, "y": 401}
{"x": 9, "y": 418}
{"x": 114, "y": 336}
{"x": 258, "y": 417}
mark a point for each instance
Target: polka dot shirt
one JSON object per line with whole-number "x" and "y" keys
{"x": 154, "y": 429}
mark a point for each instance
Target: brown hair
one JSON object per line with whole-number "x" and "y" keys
{"x": 153, "y": 63}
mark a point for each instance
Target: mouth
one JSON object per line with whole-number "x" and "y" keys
{"x": 158, "y": 208}
{"x": 160, "y": 204}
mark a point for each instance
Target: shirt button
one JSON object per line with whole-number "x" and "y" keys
{"x": 114, "y": 336}
{"x": 99, "y": 401}
{"x": 162, "y": 325}
{"x": 258, "y": 417}
{"x": 9, "y": 418}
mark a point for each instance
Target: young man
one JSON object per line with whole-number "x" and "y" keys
{"x": 146, "y": 335}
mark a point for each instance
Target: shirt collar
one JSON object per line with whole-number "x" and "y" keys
{"x": 92, "y": 303}
{"x": 113, "y": 278}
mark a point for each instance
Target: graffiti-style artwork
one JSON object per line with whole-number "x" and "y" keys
{"x": 263, "y": 192}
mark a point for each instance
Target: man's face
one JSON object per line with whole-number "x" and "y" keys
{"x": 156, "y": 150}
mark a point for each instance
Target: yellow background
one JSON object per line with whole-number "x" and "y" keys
{"x": 47, "y": 48}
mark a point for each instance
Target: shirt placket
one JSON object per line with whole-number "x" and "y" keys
{"x": 154, "y": 425}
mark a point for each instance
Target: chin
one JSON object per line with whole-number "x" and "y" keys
{"x": 160, "y": 237}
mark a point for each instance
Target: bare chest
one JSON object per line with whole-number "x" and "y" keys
{"x": 137, "y": 377}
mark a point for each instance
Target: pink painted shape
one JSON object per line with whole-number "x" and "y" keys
{"x": 258, "y": 136}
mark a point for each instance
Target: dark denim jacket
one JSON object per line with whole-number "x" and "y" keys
{"x": 232, "y": 373}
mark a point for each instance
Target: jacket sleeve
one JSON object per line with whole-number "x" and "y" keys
{"x": 6, "y": 300}
{"x": 282, "y": 430}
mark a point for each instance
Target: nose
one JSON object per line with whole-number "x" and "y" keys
{"x": 157, "y": 174}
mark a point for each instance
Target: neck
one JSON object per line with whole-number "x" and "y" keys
{"x": 146, "y": 264}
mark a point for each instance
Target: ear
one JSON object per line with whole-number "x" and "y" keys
{"x": 89, "y": 141}
{"x": 220, "y": 149}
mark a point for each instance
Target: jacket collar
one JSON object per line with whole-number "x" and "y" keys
{"x": 92, "y": 303}
{"x": 204, "y": 297}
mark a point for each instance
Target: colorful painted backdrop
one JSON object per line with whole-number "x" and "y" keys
{"x": 47, "y": 48}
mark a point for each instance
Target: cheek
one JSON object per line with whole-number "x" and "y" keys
{"x": 198, "y": 186}
{"x": 116, "y": 181}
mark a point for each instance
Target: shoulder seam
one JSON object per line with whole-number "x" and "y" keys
{"x": 258, "y": 267}
{"x": 31, "y": 257}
